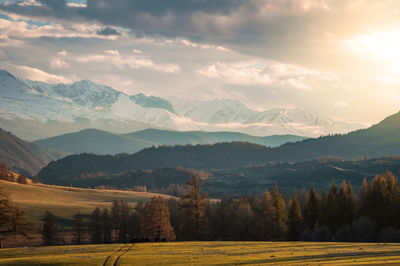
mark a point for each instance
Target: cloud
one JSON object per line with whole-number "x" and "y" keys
{"x": 16, "y": 32}
{"x": 341, "y": 104}
{"x": 58, "y": 63}
{"x": 261, "y": 73}
{"x": 34, "y": 73}
{"x": 126, "y": 61}
{"x": 107, "y": 31}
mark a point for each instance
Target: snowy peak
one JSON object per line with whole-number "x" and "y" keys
{"x": 152, "y": 102}
{"x": 102, "y": 106}
{"x": 218, "y": 111}
{"x": 10, "y": 86}
{"x": 87, "y": 93}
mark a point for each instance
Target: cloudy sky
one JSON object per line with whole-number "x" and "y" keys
{"x": 338, "y": 57}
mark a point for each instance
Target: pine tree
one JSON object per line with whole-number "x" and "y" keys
{"x": 362, "y": 196}
{"x": 136, "y": 220}
{"x": 49, "y": 231}
{"x": 295, "y": 219}
{"x": 22, "y": 179}
{"x": 116, "y": 218}
{"x": 35, "y": 180}
{"x": 281, "y": 212}
{"x": 193, "y": 204}
{"x": 329, "y": 213}
{"x": 79, "y": 229}
{"x": 265, "y": 222}
{"x": 123, "y": 222}
{"x": 347, "y": 204}
{"x": 243, "y": 222}
{"x": 312, "y": 211}
{"x": 156, "y": 225}
{"x": 95, "y": 228}
{"x": 106, "y": 226}
{"x": 12, "y": 219}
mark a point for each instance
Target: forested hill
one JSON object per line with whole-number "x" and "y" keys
{"x": 221, "y": 155}
{"x": 378, "y": 140}
{"x": 22, "y": 156}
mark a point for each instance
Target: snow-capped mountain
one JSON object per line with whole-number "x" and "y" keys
{"x": 33, "y": 110}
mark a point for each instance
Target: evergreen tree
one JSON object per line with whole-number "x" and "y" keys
{"x": 49, "y": 231}
{"x": 281, "y": 212}
{"x": 106, "y": 226}
{"x": 347, "y": 204}
{"x": 295, "y": 219}
{"x": 12, "y": 219}
{"x": 95, "y": 228}
{"x": 156, "y": 224}
{"x": 136, "y": 221}
{"x": 177, "y": 217}
{"x": 35, "y": 180}
{"x": 265, "y": 221}
{"x": 116, "y": 218}
{"x": 363, "y": 193}
{"x": 124, "y": 218}
{"x": 312, "y": 210}
{"x": 330, "y": 209}
{"x": 243, "y": 222}
{"x": 22, "y": 179}
{"x": 79, "y": 229}
{"x": 193, "y": 204}
{"x": 224, "y": 214}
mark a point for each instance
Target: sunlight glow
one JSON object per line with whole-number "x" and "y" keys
{"x": 380, "y": 46}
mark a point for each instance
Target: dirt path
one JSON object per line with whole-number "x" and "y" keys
{"x": 127, "y": 249}
{"x": 116, "y": 255}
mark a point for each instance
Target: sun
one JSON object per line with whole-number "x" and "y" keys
{"x": 382, "y": 47}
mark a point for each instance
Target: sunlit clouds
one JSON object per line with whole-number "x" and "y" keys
{"x": 340, "y": 58}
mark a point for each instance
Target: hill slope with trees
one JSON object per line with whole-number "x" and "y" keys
{"x": 379, "y": 140}
{"x": 22, "y": 156}
{"x": 103, "y": 142}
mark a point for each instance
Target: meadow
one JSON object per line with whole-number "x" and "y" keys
{"x": 64, "y": 202}
{"x": 207, "y": 253}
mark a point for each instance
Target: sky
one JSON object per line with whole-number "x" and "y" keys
{"x": 337, "y": 57}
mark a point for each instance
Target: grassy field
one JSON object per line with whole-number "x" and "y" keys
{"x": 64, "y": 202}
{"x": 207, "y": 253}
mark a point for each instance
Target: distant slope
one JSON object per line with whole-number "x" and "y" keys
{"x": 22, "y": 156}
{"x": 64, "y": 202}
{"x": 94, "y": 141}
{"x": 103, "y": 142}
{"x": 298, "y": 175}
{"x": 168, "y": 137}
{"x": 379, "y": 140}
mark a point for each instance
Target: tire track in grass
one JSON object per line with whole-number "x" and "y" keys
{"x": 120, "y": 255}
{"x": 112, "y": 255}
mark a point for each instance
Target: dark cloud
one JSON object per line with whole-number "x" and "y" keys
{"x": 288, "y": 30}
{"x": 54, "y": 4}
{"x": 107, "y": 31}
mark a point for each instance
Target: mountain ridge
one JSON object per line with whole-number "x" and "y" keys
{"x": 103, "y": 142}
{"x": 379, "y": 140}
{"x": 24, "y": 157}
{"x": 65, "y": 105}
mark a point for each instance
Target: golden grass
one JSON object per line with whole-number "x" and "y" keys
{"x": 64, "y": 202}
{"x": 208, "y": 253}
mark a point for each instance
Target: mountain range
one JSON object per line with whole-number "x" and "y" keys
{"x": 103, "y": 142}
{"x": 379, "y": 140}
{"x": 49, "y": 110}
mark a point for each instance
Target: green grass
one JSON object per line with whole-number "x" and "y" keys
{"x": 64, "y": 202}
{"x": 207, "y": 253}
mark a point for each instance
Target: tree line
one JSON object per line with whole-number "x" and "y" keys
{"x": 333, "y": 215}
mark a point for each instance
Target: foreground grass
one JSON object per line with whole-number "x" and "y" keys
{"x": 64, "y": 202}
{"x": 207, "y": 253}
